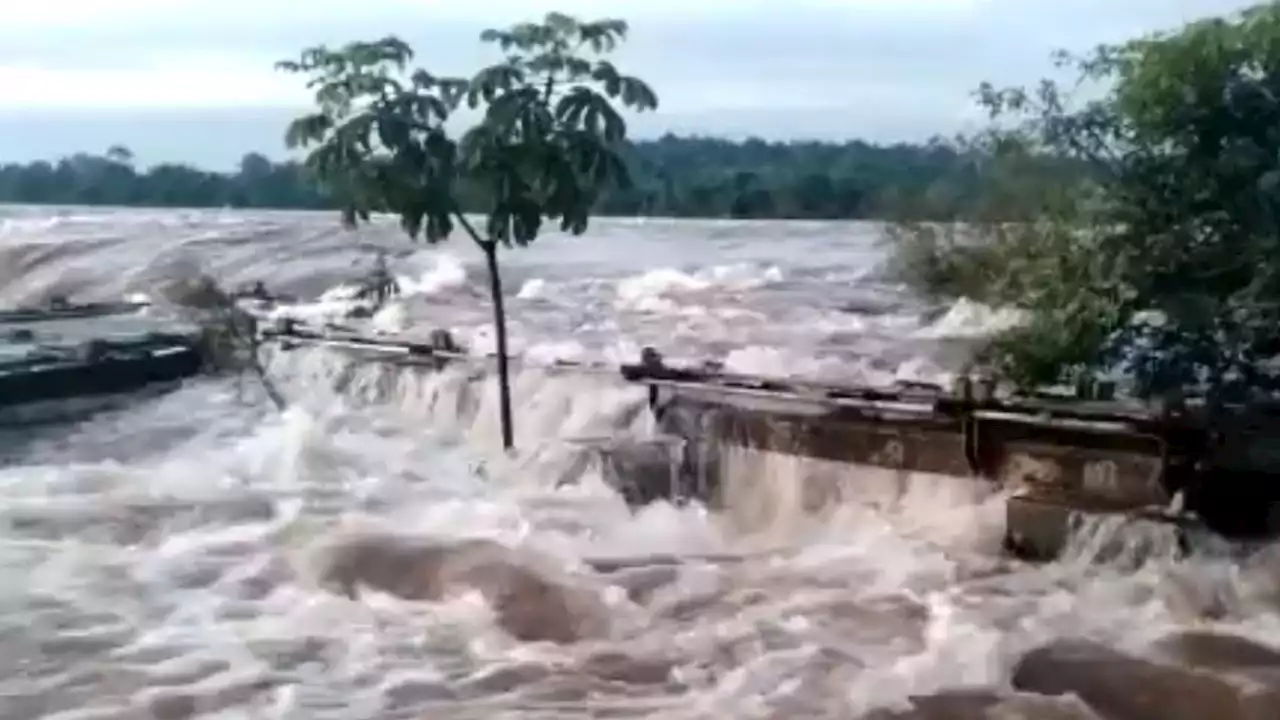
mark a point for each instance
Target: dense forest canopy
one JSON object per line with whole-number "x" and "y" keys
{"x": 1161, "y": 264}
{"x": 674, "y": 176}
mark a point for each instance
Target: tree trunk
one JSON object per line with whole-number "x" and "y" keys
{"x": 490, "y": 249}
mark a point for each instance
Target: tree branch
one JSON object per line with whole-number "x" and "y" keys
{"x": 470, "y": 229}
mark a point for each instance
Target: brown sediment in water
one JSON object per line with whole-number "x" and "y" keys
{"x": 725, "y": 623}
{"x": 529, "y": 605}
{"x": 1204, "y": 649}
{"x": 1188, "y": 675}
{"x": 986, "y": 705}
{"x": 1080, "y": 680}
{"x": 906, "y": 599}
{"x": 1122, "y": 687}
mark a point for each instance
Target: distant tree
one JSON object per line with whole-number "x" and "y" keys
{"x": 112, "y": 179}
{"x": 1140, "y": 229}
{"x": 672, "y": 177}
{"x": 255, "y": 166}
{"x": 120, "y": 154}
{"x": 548, "y": 146}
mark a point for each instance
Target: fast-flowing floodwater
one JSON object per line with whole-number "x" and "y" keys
{"x": 169, "y": 559}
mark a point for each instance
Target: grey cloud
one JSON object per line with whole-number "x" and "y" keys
{"x": 757, "y": 33}
{"x": 794, "y": 69}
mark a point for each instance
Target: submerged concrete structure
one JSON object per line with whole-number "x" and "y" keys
{"x": 1059, "y": 458}
{"x": 56, "y": 361}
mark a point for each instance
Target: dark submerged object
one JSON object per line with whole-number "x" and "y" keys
{"x": 1067, "y": 457}
{"x": 67, "y": 352}
{"x": 1178, "y": 461}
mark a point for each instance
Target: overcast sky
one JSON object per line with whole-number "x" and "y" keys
{"x": 193, "y": 80}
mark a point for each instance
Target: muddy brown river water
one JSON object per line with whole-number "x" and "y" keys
{"x": 368, "y": 554}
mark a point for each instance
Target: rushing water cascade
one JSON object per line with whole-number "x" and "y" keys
{"x": 369, "y": 553}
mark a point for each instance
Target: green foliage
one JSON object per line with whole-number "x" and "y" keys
{"x": 706, "y": 177}
{"x": 1028, "y": 240}
{"x": 552, "y": 139}
{"x": 112, "y": 179}
{"x": 671, "y": 176}
{"x": 549, "y": 142}
{"x": 1156, "y": 251}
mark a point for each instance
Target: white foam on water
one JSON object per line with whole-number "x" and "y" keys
{"x": 446, "y": 273}
{"x": 967, "y": 318}
{"x": 165, "y": 558}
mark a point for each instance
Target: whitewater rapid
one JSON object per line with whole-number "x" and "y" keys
{"x": 165, "y": 560}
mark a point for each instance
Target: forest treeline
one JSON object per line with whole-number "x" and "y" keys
{"x": 674, "y": 176}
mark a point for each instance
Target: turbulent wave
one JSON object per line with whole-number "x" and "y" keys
{"x": 189, "y": 556}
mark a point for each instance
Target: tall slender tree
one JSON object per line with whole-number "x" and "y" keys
{"x": 547, "y": 146}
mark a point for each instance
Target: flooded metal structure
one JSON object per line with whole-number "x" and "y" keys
{"x": 1060, "y": 458}
{"x": 66, "y": 360}
{"x": 439, "y": 350}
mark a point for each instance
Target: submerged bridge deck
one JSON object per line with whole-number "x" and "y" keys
{"x": 1060, "y": 456}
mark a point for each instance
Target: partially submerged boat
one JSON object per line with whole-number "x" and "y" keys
{"x": 63, "y": 360}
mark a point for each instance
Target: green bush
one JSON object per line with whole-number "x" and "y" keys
{"x": 1137, "y": 228}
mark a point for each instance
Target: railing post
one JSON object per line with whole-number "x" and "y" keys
{"x": 963, "y": 391}
{"x": 651, "y": 361}
{"x": 443, "y": 348}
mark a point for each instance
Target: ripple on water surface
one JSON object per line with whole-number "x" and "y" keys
{"x": 183, "y": 557}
